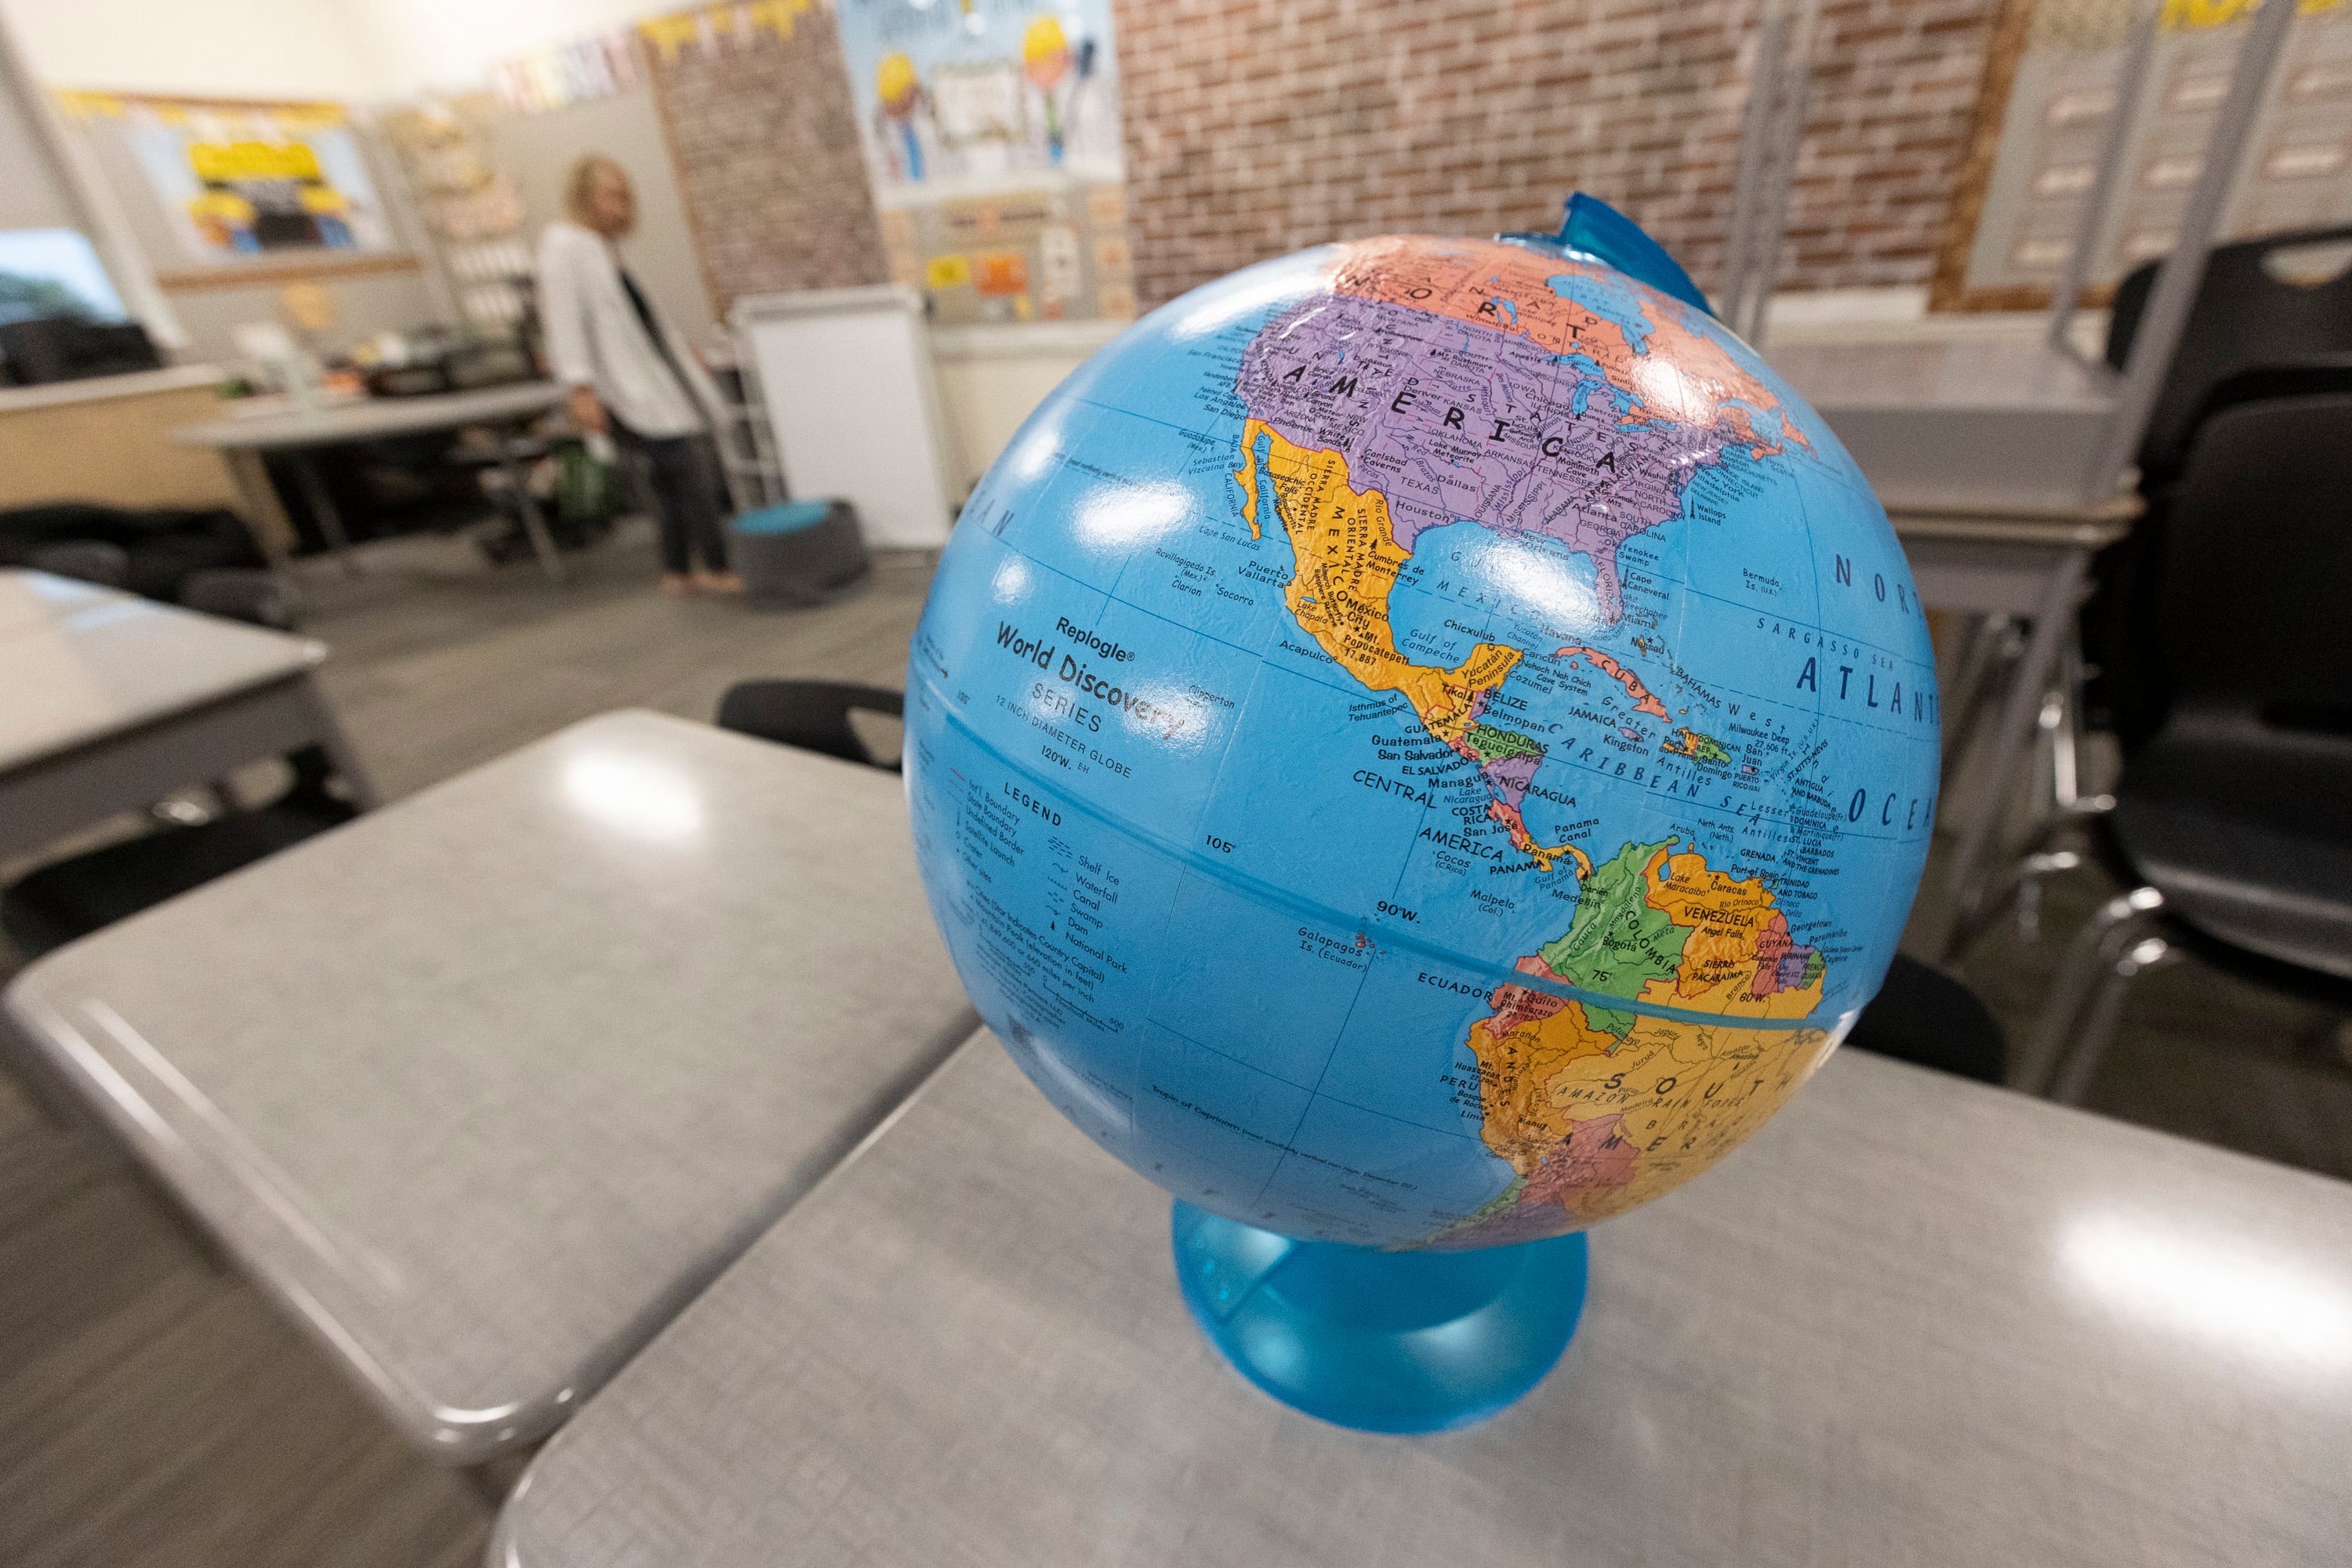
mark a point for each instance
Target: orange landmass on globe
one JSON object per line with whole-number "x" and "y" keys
{"x": 1600, "y": 1111}
{"x": 1725, "y": 955}
{"x": 1642, "y": 702}
{"x": 1346, "y": 560}
{"x": 1681, "y": 373}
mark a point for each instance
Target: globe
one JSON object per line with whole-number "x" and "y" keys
{"x": 1422, "y": 744}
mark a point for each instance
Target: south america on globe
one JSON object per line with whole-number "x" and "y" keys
{"x": 1421, "y": 745}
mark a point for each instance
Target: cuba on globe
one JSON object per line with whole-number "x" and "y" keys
{"x": 1422, "y": 744}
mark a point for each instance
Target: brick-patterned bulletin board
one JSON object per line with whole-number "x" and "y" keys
{"x": 764, "y": 135}
{"x": 1256, "y": 126}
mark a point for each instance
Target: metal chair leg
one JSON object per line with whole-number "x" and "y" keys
{"x": 2073, "y": 1078}
{"x": 2020, "y": 885}
{"x": 1993, "y": 644}
{"x": 2061, "y": 1033}
{"x": 2059, "y": 806}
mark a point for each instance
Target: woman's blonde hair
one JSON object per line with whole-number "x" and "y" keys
{"x": 580, "y": 185}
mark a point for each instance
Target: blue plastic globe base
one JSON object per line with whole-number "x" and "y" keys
{"x": 1381, "y": 1341}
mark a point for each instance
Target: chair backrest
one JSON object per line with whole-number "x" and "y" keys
{"x": 811, "y": 714}
{"x": 2255, "y": 305}
{"x": 2253, "y": 602}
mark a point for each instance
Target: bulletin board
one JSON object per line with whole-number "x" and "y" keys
{"x": 236, "y": 181}
{"x": 2052, "y": 92}
{"x": 990, "y": 133}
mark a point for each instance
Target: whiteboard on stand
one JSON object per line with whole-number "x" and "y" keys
{"x": 854, "y": 404}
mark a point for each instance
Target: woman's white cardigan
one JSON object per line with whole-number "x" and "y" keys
{"x": 594, "y": 339}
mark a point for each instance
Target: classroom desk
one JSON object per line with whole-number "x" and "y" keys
{"x": 243, "y": 440}
{"x": 1917, "y": 1322}
{"x": 109, "y": 702}
{"x": 486, "y": 1085}
{"x": 2007, "y": 423}
{"x": 105, "y": 438}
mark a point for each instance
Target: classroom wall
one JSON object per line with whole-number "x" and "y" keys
{"x": 30, "y": 197}
{"x": 213, "y": 49}
{"x": 443, "y": 45}
{"x": 1256, "y": 126}
{"x": 536, "y": 151}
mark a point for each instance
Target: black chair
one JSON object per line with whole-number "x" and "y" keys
{"x": 2251, "y": 308}
{"x": 1925, "y": 1017}
{"x": 85, "y": 561}
{"x": 812, "y": 715}
{"x": 2233, "y": 823}
{"x": 159, "y": 547}
{"x": 71, "y": 897}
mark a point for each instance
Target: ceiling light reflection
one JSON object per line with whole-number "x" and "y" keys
{"x": 1546, "y": 580}
{"x": 644, "y": 799}
{"x": 2212, "y": 1289}
{"x": 1130, "y": 516}
{"x": 1247, "y": 292}
{"x": 1010, "y": 580}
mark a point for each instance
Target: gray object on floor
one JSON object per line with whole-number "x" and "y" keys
{"x": 487, "y": 1085}
{"x": 797, "y": 552}
{"x": 1915, "y": 1321}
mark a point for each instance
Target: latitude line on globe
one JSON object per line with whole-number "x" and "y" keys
{"x": 1281, "y": 897}
{"x": 1354, "y": 692}
{"x": 1681, "y": 583}
{"x": 1082, "y": 585}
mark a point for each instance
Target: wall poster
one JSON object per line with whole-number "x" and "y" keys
{"x": 239, "y": 182}
{"x": 2052, "y": 92}
{"x": 991, "y": 136}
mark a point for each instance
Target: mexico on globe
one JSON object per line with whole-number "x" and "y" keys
{"x": 1418, "y": 748}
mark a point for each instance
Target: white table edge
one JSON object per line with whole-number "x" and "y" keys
{"x": 56, "y": 1050}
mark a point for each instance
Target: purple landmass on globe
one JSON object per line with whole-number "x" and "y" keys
{"x": 1453, "y": 422}
{"x": 1510, "y": 776}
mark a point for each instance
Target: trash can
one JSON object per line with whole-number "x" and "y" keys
{"x": 800, "y": 552}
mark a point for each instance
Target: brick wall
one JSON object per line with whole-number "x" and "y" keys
{"x": 764, "y": 138}
{"x": 1255, "y": 126}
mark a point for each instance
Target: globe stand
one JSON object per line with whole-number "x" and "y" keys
{"x": 1383, "y": 1342}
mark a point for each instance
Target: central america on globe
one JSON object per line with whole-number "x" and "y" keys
{"x": 1422, "y": 744}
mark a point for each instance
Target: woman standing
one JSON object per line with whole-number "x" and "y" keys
{"x": 629, "y": 374}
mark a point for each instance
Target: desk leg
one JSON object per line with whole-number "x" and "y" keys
{"x": 338, "y": 746}
{"x": 533, "y": 521}
{"x": 2053, "y": 621}
{"x": 257, "y": 502}
{"x": 322, "y": 507}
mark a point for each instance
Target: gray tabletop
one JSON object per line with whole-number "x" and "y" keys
{"x": 2002, "y": 424}
{"x": 488, "y": 1083}
{"x": 373, "y": 418}
{"x": 1914, "y": 1322}
{"x": 79, "y": 663}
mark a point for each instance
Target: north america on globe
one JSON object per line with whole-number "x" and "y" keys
{"x": 1420, "y": 743}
